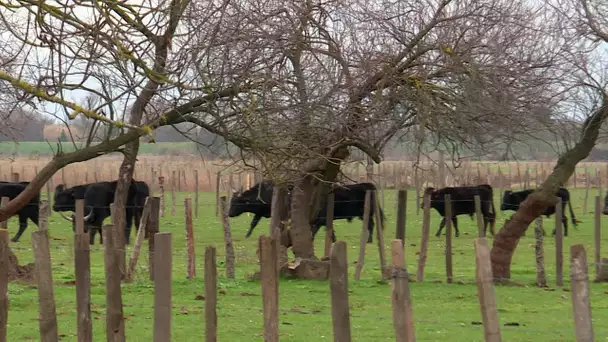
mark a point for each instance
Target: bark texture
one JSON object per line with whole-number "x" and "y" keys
{"x": 505, "y": 242}
{"x": 307, "y": 196}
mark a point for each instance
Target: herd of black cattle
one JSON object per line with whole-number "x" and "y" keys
{"x": 349, "y": 203}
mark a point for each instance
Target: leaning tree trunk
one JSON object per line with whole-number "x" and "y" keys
{"x": 508, "y": 237}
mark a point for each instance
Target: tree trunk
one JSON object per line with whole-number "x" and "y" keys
{"x": 307, "y": 196}
{"x": 508, "y": 237}
{"x": 125, "y": 176}
{"x": 301, "y": 207}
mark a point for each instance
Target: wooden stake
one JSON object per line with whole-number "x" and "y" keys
{"x": 485, "y": 288}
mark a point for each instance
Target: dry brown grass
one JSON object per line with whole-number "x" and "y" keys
{"x": 389, "y": 173}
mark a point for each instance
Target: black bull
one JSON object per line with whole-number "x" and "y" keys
{"x": 28, "y": 211}
{"x": 463, "y": 202}
{"x": 97, "y": 199}
{"x": 349, "y": 203}
{"x": 512, "y": 199}
{"x": 605, "y": 210}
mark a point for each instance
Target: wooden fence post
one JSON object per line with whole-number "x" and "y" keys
{"x": 448, "y": 239}
{"x": 401, "y": 210}
{"x": 161, "y": 185}
{"x": 196, "y": 193}
{"x": 115, "y": 324}
{"x": 210, "y": 295}
{"x": 152, "y": 227}
{"x": 338, "y": 274}
{"x": 82, "y": 269}
{"x": 403, "y": 318}
{"x": 480, "y": 225}
{"x": 270, "y": 288}
{"x": 364, "y": 234}
{"x": 559, "y": 245}
{"x": 173, "y": 186}
{"x": 46, "y": 296}
{"x": 191, "y": 266}
{"x": 485, "y": 288}
{"x": 539, "y": 233}
{"x": 217, "y": 193}
{"x": 424, "y": 243}
{"x": 329, "y": 224}
{"x": 598, "y": 234}
{"x": 227, "y": 239}
{"x": 43, "y": 220}
{"x": 4, "y": 264}
{"x": 581, "y": 306}
{"x": 380, "y": 236}
{"x": 162, "y": 287}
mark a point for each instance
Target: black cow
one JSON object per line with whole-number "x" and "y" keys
{"x": 605, "y": 210}
{"x": 256, "y": 200}
{"x": 97, "y": 199}
{"x": 30, "y": 210}
{"x": 463, "y": 202}
{"x": 349, "y": 202}
{"x": 512, "y": 199}
{"x": 65, "y": 198}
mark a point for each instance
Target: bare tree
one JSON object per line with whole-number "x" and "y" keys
{"x": 295, "y": 85}
{"x": 346, "y": 74}
{"x": 584, "y": 99}
{"x": 104, "y": 61}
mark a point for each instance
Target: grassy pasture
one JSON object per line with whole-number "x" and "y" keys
{"x": 442, "y": 312}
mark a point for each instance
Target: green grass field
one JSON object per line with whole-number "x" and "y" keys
{"x": 442, "y": 312}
